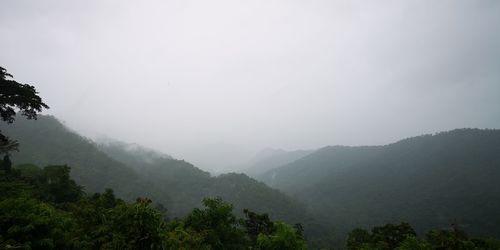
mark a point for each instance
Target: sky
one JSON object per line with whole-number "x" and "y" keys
{"x": 214, "y": 82}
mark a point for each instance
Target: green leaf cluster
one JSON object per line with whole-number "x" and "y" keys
{"x": 403, "y": 237}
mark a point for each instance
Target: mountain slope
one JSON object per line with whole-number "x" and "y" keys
{"x": 46, "y": 141}
{"x": 186, "y": 185}
{"x": 269, "y": 159}
{"x": 176, "y": 184}
{"x": 430, "y": 181}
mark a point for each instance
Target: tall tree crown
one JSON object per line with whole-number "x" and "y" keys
{"x": 16, "y": 97}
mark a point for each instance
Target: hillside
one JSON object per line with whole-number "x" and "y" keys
{"x": 175, "y": 184}
{"x": 269, "y": 159}
{"x": 430, "y": 181}
{"x": 48, "y": 142}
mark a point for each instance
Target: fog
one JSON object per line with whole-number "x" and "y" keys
{"x": 214, "y": 82}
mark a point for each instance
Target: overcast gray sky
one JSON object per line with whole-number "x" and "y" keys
{"x": 211, "y": 77}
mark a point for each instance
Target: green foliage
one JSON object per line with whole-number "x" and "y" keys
{"x": 357, "y": 238}
{"x": 16, "y": 96}
{"x": 56, "y": 186}
{"x": 136, "y": 226}
{"x": 179, "y": 237}
{"x": 487, "y": 243}
{"x": 428, "y": 181}
{"x": 6, "y": 164}
{"x": 13, "y": 188}
{"x": 402, "y": 237}
{"x": 284, "y": 237}
{"x": 135, "y": 172}
{"x": 45, "y": 209}
{"x": 30, "y": 224}
{"x": 256, "y": 224}
{"x": 94, "y": 217}
{"x": 384, "y": 237}
{"x": 448, "y": 240}
{"x": 47, "y": 142}
{"x": 413, "y": 243}
{"x": 390, "y": 236}
{"x": 219, "y": 225}
{"x": 74, "y": 220}
{"x": 53, "y": 182}
{"x": 29, "y": 170}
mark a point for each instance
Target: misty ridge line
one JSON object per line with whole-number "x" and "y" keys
{"x": 272, "y": 157}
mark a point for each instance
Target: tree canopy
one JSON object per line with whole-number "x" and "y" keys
{"x": 16, "y": 97}
{"x": 43, "y": 208}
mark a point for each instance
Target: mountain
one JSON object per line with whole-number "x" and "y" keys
{"x": 46, "y": 141}
{"x": 269, "y": 158}
{"x": 133, "y": 171}
{"x": 179, "y": 176}
{"x": 430, "y": 181}
{"x": 132, "y": 153}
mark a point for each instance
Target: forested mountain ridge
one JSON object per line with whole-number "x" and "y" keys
{"x": 175, "y": 184}
{"x": 197, "y": 183}
{"x": 132, "y": 153}
{"x": 430, "y": 181}
{"x": 43, "y": 208}
{"x": 46, "y": 141}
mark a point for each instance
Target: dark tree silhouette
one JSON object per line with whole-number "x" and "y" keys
{"x": 16, "y": 97}
{"x": 6, "y": 164}
{"x": 256, "y": 224}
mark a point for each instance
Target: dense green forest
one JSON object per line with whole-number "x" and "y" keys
{"x": 43, "y": 208}
{"x": 171, "y": 183}
{"x": 429, "y": 181}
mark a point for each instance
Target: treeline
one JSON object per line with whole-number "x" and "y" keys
{"x": 428, "y": 181}
{"x": 132, "y": 174}
{"x": 43, "y": 208}
{"x": 404, "y": 237}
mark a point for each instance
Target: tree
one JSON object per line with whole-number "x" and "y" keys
{"x": 27, "y": 223}
{"x": 284, "y": 237}
{"x": 6, "y": 164}
{"x": 177, "y": 236}
{"x": 56, "y": 185}
{"x": 136, "y": 226}
{"x": 391, "y": 235}
{"x": 413, "y": 243}
{"x": 218, "y": 224}
{"x": 357, "y": 238}
{"x": 256, "y": 224}
{"x": 449, "y": 240}
{"x": 15, "y": 96}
